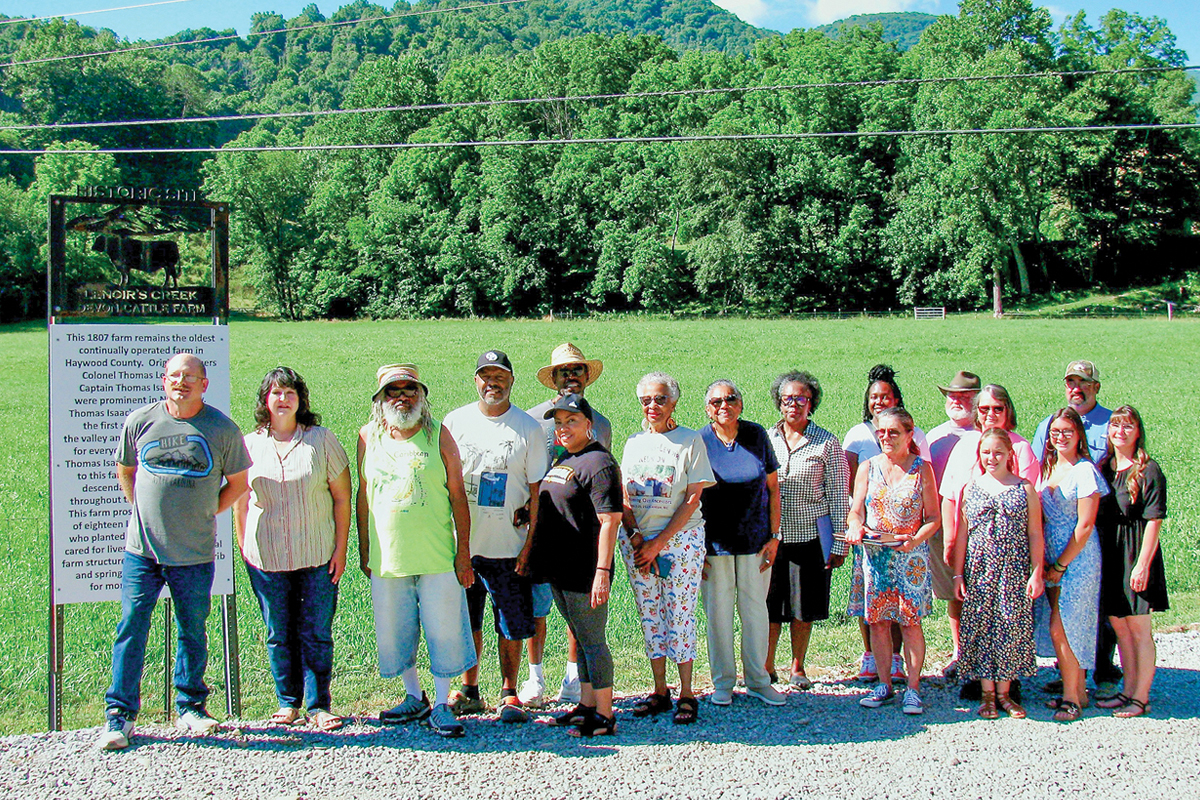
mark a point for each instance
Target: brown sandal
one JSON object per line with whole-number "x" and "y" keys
{"x": 1010, "y": 706}
{"x": 987, "y": 709}
{"x": 1068, "y": 712}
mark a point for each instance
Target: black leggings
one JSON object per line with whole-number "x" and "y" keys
{"x": 588, "y": 624}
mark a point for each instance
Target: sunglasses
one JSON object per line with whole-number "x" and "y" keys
{"x": 717, "y": 402}
{"x": 794, "y": 400}
{"x": 401, "y": 391}
{"x": 577, "y": 371}
{"x": 658, "y": 400}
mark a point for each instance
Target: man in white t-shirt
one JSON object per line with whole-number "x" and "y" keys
{"x": 503, "y": 453}
{"x": 961, "y": 394}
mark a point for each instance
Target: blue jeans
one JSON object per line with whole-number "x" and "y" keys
{"x": 435, "y": 604}
{"x": 141, "y": 581}
{"x": 297, "y": 608}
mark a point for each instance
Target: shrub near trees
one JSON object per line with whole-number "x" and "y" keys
{"x": 872, "y": 221}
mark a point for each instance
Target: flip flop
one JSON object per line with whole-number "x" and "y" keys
{"x": 287, "y": 716}
{"x": 327, "y": 721}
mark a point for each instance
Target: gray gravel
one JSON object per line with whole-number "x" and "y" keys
{"x": 820, "y": 744}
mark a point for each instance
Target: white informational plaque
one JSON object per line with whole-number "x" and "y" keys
{"x": 98, "y": 374}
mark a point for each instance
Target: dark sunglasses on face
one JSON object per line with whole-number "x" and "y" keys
{"x": 658, "y": 400}
{"x": 716, "y": 402}
{"x": 401, "y": 391}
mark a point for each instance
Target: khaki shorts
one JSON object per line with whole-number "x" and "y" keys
{"x": 943, "y": 576}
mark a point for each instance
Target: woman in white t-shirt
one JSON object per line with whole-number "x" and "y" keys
{"x": 292, "y": 530}
{"x": 861, "y": 444}
{"x": 665, "y": 468}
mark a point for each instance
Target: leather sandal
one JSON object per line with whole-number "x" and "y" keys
{"x": 596, "y": 725}
{"x": 987, "y": 709}
{"x": 1118, "y": 700}
{"x": 652, "y": 704}
{"x": 1010, "y": 706}
{"x": 577, "y": 716}
{"x": 1134, "y": 708}
{"x": 687, "y": 711}
{"x": 1068, "y": 712}
{"x": 288, "y": 716}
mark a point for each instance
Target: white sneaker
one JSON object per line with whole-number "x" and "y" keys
{"x": 912, "y": 702}
{"x": 721, "y": 697}
{"x": 117, "y": 731}
{"x": 880, "y": 695}
{"x": 569, "y": 691}
{"x": 196, "y": 721}
{"x": 768, "y": 694}
{"x": 532, "y": 693}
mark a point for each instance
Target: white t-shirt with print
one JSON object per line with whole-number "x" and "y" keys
{"x": 657, "y": 468}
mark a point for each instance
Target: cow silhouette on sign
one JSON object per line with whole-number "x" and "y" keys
{"x": 128, "y": 254}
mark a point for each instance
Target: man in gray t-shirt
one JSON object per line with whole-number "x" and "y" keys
{"x": 180, "y": 463}
{"x": 568, "y": 372}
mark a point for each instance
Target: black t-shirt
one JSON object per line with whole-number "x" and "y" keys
{"x": 574, "y": 491}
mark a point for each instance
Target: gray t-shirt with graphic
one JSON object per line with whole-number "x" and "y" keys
{"x": 181, "y": 465}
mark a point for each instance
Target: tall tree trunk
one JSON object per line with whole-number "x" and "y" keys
{"x": 997, "y": 283}
{"x": 1022, "y": 270}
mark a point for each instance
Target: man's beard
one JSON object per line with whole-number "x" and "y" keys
{"x": 403, "y": 420}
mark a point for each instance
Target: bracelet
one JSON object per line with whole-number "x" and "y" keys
{"x": 604, "y": 569}
{"x": 956, "y": 577}
{"x": 1057, "y": 567}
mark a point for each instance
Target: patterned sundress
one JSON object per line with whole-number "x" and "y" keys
{"x": 1079, "y": 586}
{"x": 997, "y": 618}
{"x": 896, "y": 586}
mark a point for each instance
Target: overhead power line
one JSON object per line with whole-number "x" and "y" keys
{"x": 15, "y": 20}
{"x": 230, "y": 37}
{"x": 733, "y": 137}
{"x": 590, "y": 98}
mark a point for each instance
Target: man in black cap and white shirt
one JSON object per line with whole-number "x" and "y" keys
{"x": 503, "y": 460}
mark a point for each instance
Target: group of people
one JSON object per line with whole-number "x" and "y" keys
{"x": 530, "y": 509}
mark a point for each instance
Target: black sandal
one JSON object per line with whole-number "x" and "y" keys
{"x": 652, "y": 704}
{"x": 1118, "y": 700}
{"x": 687, "y": 711}
{"x": 1067, "y": 712}
{"x": 1134, "y": 708}
{"x": 596, "y": 725}
{"x": 576, "y": 717}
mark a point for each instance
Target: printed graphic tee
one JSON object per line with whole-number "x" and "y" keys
{"x": 181, "y": 464}
{"x": 657, "y": 468}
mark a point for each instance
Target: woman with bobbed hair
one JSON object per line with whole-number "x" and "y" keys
{"x": 1066, "y": 616}
{"x": 292, "y": 529}
{"x": 665, "y": 469}
{"x": 860, "y": 443}
{"x": 812, "y": 485}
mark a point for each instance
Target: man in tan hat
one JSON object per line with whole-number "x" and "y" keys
{"x": 414, "y": 528}
{"x": 568, "y": 372}
{"x": 961, "y": 394}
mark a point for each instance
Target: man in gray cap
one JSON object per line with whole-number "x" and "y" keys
{"x": 569, "y": 372}
{"x": 503, "y": 461}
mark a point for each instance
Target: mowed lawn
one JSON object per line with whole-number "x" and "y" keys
{"x": 1146, "y": 362}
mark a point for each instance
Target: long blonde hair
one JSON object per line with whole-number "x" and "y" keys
{"x": 1137, "y": 475}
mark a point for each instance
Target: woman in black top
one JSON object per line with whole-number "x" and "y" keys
{"x": 1132, "y": 578}
{"x": 579, "y": 512}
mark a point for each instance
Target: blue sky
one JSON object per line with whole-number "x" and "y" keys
{"x": 1183, "y": 16}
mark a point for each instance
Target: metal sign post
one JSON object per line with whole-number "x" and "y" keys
{"x": 109, "y": 342}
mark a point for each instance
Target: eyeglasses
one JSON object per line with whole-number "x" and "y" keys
{"x": 1058, "y": 434}
{"x": 794, "y": 400}
{"x": 1128, "y": 427}
{"x": 577, "y": 371}
{"x": 401, "y": 391}
{"x": 731, "y": 399}
{"x": 180, "y": 377}
{"x": 658, "y": 400}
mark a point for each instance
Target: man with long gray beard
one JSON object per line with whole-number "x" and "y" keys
{"x": 414, "y": 530}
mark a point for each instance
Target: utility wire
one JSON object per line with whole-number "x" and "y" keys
{"x": 735, "y": 137}
{"x": 230, "y": 37}
{"x": 589, "y": 97}
{"x": 15, "y": 20}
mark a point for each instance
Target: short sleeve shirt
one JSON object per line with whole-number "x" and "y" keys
{"x": 181, "y": 466}
{"x": 1095, "y": 429}
{"x": 289, "y": 523}
{"x": 601, "y": 427}
{"x": 501, "y": 456}
{"x": 574, "y": 491}
{"x": 736, "y": 509}
{"x": 657, "y": 468}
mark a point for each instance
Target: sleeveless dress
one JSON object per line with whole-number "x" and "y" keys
{"x": 997, "y": 617}
{"x": 896, "y": 586}
{"x": 1121, "y": 525}
{"x": 1079, "y": 587}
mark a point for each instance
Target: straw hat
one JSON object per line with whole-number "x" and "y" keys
{"x": 397, "y": 372}
{"x": 564, "y": 355}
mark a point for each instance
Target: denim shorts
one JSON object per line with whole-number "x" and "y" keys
{"x": 512, "y": 597}
{"x": 435, "y": 604}
{"x": 543, "y": 600}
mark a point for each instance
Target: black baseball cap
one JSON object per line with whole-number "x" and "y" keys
{"x": 494, "y": 358}
{"x": 570, "y": 402}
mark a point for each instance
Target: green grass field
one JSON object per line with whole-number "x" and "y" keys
{"x": 1144, "y": 362}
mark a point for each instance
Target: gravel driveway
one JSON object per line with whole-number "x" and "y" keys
{"x": 821, "y": 744}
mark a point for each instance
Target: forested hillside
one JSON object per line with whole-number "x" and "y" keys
{"x": 846, "y": 219}
{"x": 904, "y": 28}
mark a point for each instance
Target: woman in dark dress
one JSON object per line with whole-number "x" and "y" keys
{"x": 1132, "y": 579}
{"x": 579, "y": 512}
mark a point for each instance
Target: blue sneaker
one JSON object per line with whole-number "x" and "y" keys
{"x": 411, "y": 710}
{"x": 117, "y": 731}
{"x": 444, "y": 723}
